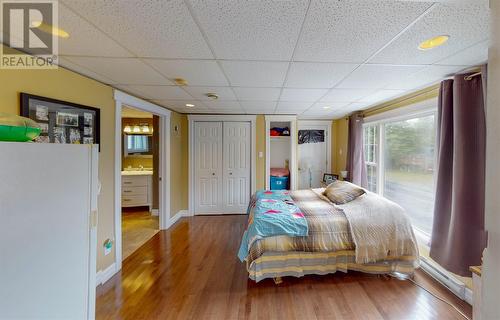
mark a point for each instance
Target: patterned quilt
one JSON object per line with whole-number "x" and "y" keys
{"x": 272, "y": 213}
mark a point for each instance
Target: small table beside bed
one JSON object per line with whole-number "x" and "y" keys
{"x": 320, "y": 231}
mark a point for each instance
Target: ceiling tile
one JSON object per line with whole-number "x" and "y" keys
{"x": 351, "y": 31}
{"x": 255, "y": 107}
{"x": 316, "y": 75}
{"x": 222, "y": 104}
{"x": 252, "y": 30}
{"x": 196, "y": 72}
{"x": 180, "y": 105}
{"x": 302, "y": 94}
{"x": 162, "y": 29}
{"x": 472, "y": 56}
{"x": 84, "y": 37}
{"x": 227, "y": 111}
{"x": 161, "y": 92}
{"x": 83, "y": 71}
{"x": 327, "y": 107}
{"x": 255, "y": 73}
{"x": 426, "y": 77}
{"x": 373, "y": 76}
{"x": 262, "y": 94}
{"x": 224, "y": 93}
{"x": 346, "y": 95}
{"x": 465, "y": 23}
{"x": 382, "y": 95}
{"x": 122, "y": 70}
{"x": 292, "y": 106}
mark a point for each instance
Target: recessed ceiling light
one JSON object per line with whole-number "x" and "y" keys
{"x": 180, "y": 82}
{"x": 433, "y": 42}
{"x": 189, "y": 105}
{"x": 326, "y": 107}
{"x": 50, "y": 29}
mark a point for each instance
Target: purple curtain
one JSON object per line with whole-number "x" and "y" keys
{"x": 458, "y": 236}
{"x": 356, "y": 168}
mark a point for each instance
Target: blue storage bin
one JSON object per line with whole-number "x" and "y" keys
{"x": 279, "y": 183}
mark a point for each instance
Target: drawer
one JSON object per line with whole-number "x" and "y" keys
{"x": 135, "y": 181}
{"x": 131, "y": 201}
{"x": 134, "y": 191}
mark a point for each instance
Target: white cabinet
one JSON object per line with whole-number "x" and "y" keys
{"x": 137, "y": 191}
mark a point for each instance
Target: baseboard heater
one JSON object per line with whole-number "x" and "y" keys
{"x": 458, "y": 288}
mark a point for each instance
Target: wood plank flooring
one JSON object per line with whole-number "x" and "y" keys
{"x": 191, "y": 272}
{"x": 138, "y": 226}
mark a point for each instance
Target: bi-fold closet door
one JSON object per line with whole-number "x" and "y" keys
{"x": 222, "y": 167}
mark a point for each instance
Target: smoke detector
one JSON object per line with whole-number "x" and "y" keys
{"x": 212, "y": 96}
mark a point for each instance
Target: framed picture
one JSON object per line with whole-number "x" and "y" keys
{"x": 330, "y": 177}
{"x": 62, "y": 121}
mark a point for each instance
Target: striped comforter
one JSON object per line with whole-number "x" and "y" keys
{"x": 328, "y": 247}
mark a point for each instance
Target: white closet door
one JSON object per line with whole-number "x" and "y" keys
{"x": 208, "y": 167}
{"x": 237, "y": 158}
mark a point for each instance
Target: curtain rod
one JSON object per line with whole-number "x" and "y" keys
{"x": 470, "y": 76}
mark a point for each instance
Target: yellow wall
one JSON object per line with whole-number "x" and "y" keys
{"x": 260, "y": 145}
{"x": 69, "y": 86}
{"x": 340, "y": 128}
{"x": 66, "y": 85}
{"x": 179, "y": 148}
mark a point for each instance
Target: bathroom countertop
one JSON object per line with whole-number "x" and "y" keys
{"x": 137, "y": 173}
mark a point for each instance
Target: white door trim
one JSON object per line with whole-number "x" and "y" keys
{"x": 242, "y": 118}
{"x": 328, "y": 124}
{"x": 122, "y": 98}
{"x": 293, "y": 148}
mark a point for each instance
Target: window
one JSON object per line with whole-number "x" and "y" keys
{"x": 404, "y": 164}
{"x": 371, "y": 155}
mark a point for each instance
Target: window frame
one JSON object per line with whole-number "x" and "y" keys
{"x": 416, "y": 110}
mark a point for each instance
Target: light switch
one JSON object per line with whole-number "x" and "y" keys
{"x": 261, "y": 154}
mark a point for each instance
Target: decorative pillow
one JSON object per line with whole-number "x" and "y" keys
{"x": 340, "y": 192}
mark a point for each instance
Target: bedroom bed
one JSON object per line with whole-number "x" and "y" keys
{"x": 296, "y": 233}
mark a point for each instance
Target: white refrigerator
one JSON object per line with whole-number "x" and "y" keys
{"x": 48, "y": 225}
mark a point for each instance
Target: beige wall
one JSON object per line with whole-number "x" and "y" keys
{"x": 69, "y": 86}
{"x": 491, "y": 267}
{"x": 179, "y": 148}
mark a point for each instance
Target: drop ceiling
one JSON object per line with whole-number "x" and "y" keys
{"x": 316, "y": 59}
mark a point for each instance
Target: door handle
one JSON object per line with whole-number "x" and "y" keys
{"x": 230, "y": 173}
{"x": 213, "y": 173}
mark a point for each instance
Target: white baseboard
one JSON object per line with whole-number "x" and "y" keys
{"x": 155, "y": 212}
{"x": 468, "y": 296}
{"x": 104, "y": 275}
{"x": 176, "y": 217}
{"x": 456, "y": 287}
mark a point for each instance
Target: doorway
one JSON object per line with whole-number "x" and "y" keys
{"x": 161, "y": 176}
{"x": 140, "y": 183}
{"x": 314, "y": 150}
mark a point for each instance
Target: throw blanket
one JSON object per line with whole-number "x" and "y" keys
{"x": 379, "y": 228}
{"x": 330, "y": 230}
{"x": 274, "y": 214}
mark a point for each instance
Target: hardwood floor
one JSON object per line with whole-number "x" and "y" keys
{"x": 191, "y": 272}
{"x": 137, "y": 228}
